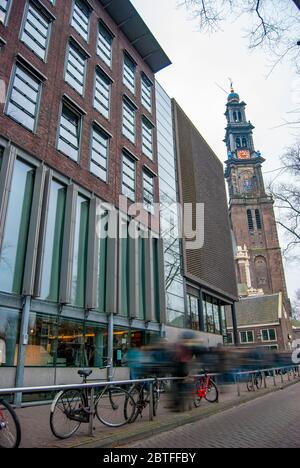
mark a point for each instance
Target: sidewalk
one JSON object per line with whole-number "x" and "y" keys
{"x": 36, "y": 430}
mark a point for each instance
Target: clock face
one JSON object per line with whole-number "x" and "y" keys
{"x": 243, "y": 154}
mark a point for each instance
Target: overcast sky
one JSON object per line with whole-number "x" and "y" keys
{"x": 200, "y": 61}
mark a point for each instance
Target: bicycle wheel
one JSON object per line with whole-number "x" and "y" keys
{"x": 67, "y": 413}
{"x": 197, "y": 397}
{"x": 137, "y": 394}
{"x": 212, "y": 392}
{"x": 10, "y": 429}
{"x": 115, "y": 407}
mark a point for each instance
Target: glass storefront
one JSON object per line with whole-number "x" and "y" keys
{"x": 61, "y": 342}
{"x": 9, "y": 336}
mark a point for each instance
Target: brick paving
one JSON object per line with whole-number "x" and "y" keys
{"x": 272, "y": 421}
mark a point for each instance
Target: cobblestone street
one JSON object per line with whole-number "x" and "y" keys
{"x": 268, "y": 422}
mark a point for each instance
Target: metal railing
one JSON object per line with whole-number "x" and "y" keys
{"x": 100, "y": 384}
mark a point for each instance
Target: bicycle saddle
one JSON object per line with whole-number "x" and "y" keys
{"x": 85, "y": 372}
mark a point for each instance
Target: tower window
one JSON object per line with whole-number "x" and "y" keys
{"x": 238, "y": 142}
{"x": 239, "y": 116}
{"x": 250, "y": 220}
{"x": 235, "y": 116}
{"x": 258, "y": 219}
{"x": 244, "y": 142}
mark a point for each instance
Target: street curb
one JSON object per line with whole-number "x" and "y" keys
{"x": 150, "y": 429}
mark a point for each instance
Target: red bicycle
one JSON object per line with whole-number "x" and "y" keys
{"x": 205, "y": 388}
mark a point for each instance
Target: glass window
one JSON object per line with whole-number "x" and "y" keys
{"x": 102, "y": 94}
{"x": 104, "y": 47}
{"x": 269, "y": 335}
{"x": 24, "y": 98}
{"x": 69, "y": 133}
{"x": 4, "y": 7}
{"x": 147, "y": 93}
{"x": 129, "y": 73}
{"x": 13, "y": 253}
{"x": 229, "y": 339}
{"x": 142, "y": 280}
{"x": 129, "y": 121}
{"x": 247, "y": 337}
{"x": 175, "y": 319}
{"x": 148, "y": 192}
{"x": 9, "y": 336}
{"x": 81, "y": 18}
{"x": 128, "y": 177}
{"x": 216, "y": 317}
{"x": 147, "y": 138}
{"x": 53, "y": 243}
{"x": 193, "y": 313}
{"x": 223, "y": 320}
{"x": 75, "y": 70}
{"x": 80, "y": 252}
{"x": 156, "y": 284}
{"x": 244, "y": 142}
{"x": 210, "y": 315}
{"x": 102, "y": 261}
{"x": 238, "y": 142}
{"x": 100, "y": 151}
{"x": 36, "y": 31}
{"x": 124, "y": 270}
{"x": 250, "y": 220}
{"x": 62, "y": 342}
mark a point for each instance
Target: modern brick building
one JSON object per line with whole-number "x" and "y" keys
{"x": 77, "y": 129}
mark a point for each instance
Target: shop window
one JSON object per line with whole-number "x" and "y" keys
{"x": 193, "y": 304}
{"x": 14, "y": 246}
{"x": 102, "y": 262}
{"x": 124, "y": 270}
{"x": 9, "y": 337}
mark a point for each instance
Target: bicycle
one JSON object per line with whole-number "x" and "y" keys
{"x": 140, "y": 393}
{"x": 255, "y": 380}
{"x": 10, "y": 429}
{"x": 205, "y": 388}
{"x": 71, "y": 408}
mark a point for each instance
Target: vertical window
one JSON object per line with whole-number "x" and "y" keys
{"x": 13, "y": 252}
{"x": 81, "y": 18}
{"x": 4, "y": 7}
{"x": 156, "y": 281}
{"x": 24, "y": 98}
{"x": 80, "y": 252}
{"x": 100, "y": 151}
{"x": 258, "y": 220}
{"x": 76, "y": 67}
{"x": 216, "y": 317}
{"x": 148, "y": 192}
{"x": 193, "y": 313}
{"x": 129, "y": 120}
{"x": 244, "y": 142}
{"x": 36, "y": 31}
{"x": 104, "y": 46}
{"x": 239, "y": 116}
{"x": 102, "y": 262}
{"x": 210, "y": 315}
{"x": 238, "y": 142}
{"x": 69, "y": 133}
{"x": 142, "y": 279}
{"x": 147, "y": 93}
{"x": 250, "y": 220}
{"x": 129, "y": 73}
{"x": 53, "y": 243}
{"x": 102, "y": 94}
{"x": 235, "y": 116}
{"x": 147, "y": 138}
{"x": 124, "y": 269}
{"x": 128, "y": 177}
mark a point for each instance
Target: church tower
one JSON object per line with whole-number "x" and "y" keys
{"x": 259, "y": 264}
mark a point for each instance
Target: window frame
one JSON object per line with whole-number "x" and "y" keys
{"x": 146, "y": 122}
{"x": 80, "y": 116}
{"x": 81, "y": 51}
{"x": 247, "y": 336}
{"x": 106, "y": 28}
{"x": 146, "y": 80}
{"x": 97, "y": 128}
{"x": 268, "y": 331}
{"x": 9, "y": 93}
{"x": 7, "y": 14}
{"x": 134, "y": 88}
{"x": 130, "y": 104}
{"x": 152, "y": 177}
{"x": 126, "y": 155}
{"x": 48, "y": 17}
{"x": 99, "y": 71}
{"x": 87, "y": 40}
